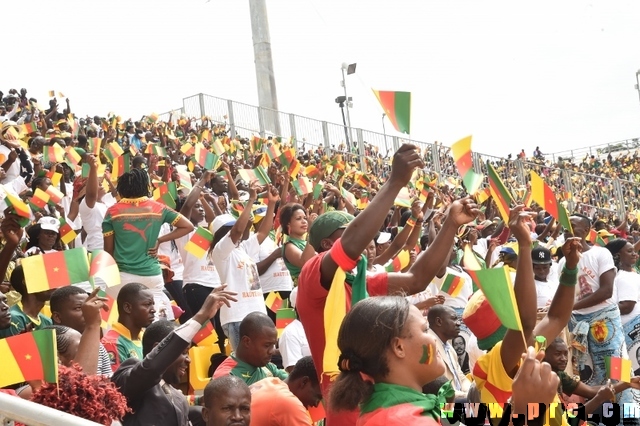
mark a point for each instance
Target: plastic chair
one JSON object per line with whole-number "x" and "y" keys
{"x": 200, "y": 361}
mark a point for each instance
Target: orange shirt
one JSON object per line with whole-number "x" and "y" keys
{"x": 273, "y": 404}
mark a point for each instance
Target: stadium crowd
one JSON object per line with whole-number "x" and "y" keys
{"x": 260, "y": 283}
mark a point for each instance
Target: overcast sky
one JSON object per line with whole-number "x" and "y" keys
{"x": 514, "y": 75}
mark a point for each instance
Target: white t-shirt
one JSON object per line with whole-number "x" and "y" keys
{"x": 460, "y": 301}
{"x": 593, "y": 263}
{"x": 237, "y": 268}
{"x": 277, "y": 277}
{"x": 482, "y": 246}
{"x": 628, "y": 288}
{"x": 36, "y": 250}
{"x": 293, "y": 344}
{"x": 197, "y": 271}
{"x": 545, "y": 291}
{"x": 170, "y": 249}
{"x": 14, "y": 170}
{"x": 92, "y": 224}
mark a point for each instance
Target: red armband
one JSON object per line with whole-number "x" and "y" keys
{"x": 340, "y": 257}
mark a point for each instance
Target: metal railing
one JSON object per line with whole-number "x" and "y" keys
{"x": 14, "y": 409}
{"x": 588, "y": 193}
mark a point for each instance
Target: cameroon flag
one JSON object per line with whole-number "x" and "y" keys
{"x": 20, "y": 208}
{"x": 166, "y": 194}
{"x": 284, "y": 317}
{"x": 54, "y": 270}
{"x": 206, "y": 335}
{"x": 618, "y": 368}
{"x": 397, "y": 107}
{"x": 399, "y": 262}
{"x": 67, "y": 233}
{"x": 461, "y": 151}
{"x": 199, "y": 243}
{"x": 496, "y": 285}
{"x": 103, "y": 271}
{"x": 542, "y": 194}
{"x": 29, "y": 356}
{"x": 273, "y": 301}
{"x": 452, "y": 285}
{"x": 500, "y": 195}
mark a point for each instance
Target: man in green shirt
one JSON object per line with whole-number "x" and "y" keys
{"x": 26, "y": 315}
{"x": 135, "y": 312}
{"x": 252, "y": 359}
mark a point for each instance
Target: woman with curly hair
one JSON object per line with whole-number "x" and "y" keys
{"x": 91, "y": 397}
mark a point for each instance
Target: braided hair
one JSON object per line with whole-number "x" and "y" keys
{"x": 134, "y": 184}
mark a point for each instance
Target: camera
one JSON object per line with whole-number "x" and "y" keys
{"x": 341, "y": 99}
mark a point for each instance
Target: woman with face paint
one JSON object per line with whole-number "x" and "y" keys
{"x": 385, "y": 369}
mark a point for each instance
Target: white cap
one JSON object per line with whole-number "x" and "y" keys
{"x": 384, "y": 237}
{"x": 49, "y": 223}
{"x": 222, "y": 220}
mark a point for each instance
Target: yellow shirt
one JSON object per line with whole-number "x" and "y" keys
{"x": 495, "y": 386}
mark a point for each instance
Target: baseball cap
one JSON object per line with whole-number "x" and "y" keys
{"x": 325, "y": 225}
{"x": 541, "y": 255}
{"x": 222, "y": 220}
{"x": 509, "y": 248}
{"x": 484, "y": 224}
{"x": 49, "y": 223}
{"x": 384, "y": 237}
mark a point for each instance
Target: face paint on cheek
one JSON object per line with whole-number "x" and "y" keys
{"x": 427, "y": 354}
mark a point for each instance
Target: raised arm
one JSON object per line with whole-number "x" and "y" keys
{"x": 134, "y": 381}
{"x": 267, "y": 222}
{"x": 194, "y": 195}
{"x": 91, "y": 196}
{"x": 525, "y": 293}
{"x": 562, "y": 304}
{"x": 431, "y": 260}
{"x": 241, "y": 224}
{"x": 89, "y": 346}
{"x": 363, "y": 228}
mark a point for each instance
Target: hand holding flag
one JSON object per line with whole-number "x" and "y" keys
{"x": 92, "y": 309}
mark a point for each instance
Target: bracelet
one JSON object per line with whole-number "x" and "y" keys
{"x": 569, "y": 277}
{"x": 410, "y": 222}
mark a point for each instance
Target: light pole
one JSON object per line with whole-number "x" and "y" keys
{"x": 349, "y": 69}
{"x": 340, "y": 100}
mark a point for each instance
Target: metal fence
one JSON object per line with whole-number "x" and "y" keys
{"x": 585, "y": 192}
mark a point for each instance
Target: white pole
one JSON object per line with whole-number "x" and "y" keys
{"x": 344, "y": 85}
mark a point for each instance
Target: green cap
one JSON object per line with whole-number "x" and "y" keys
{"x": 325, "y": 225}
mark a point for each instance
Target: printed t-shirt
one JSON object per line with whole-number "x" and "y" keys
{"x": 310, "y": 306}
{"x": 120, "y": 345}
{"x": 495, "y": 385}
{"x": 232, "y": 366}
{"x": 135, "y": 225}
{"x": 273, "y": 404}
{"x": 277, "y": 276}
{"x": 238, "y": 270}
{"x": 20, "y": 320}
{"x": 593, "y": 263}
